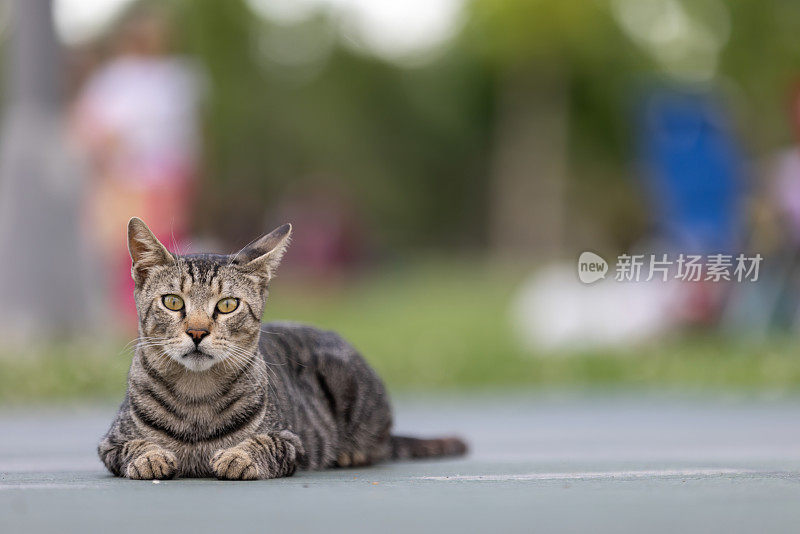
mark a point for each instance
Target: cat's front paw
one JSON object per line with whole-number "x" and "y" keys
{"x": 153, "y": 464}
{"x": 235, "y": 463}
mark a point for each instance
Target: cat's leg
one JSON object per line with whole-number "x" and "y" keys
{"x": 360, "y": 406}
{"x": 269, "y": 455}
{"x": 139, "y": 459}
{"x": 354, "y": 459}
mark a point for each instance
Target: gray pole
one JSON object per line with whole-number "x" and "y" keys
{"x": 44, "y": 289}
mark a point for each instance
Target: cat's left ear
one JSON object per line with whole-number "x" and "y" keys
{"x": 265, "y": 254}
{"x": 146, "y": 251}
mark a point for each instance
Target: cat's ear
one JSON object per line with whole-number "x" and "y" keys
{"x": 266, "y": 253}
{"x": 146, "y": 251}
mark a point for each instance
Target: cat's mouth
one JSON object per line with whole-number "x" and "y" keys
{"x": 197, "y": 355}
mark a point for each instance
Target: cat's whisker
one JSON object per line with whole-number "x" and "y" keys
{"x": 268, "y": 332}
{"x": 254, "y": 381}
{"x": 242, "y": 356}
{"x": 141, "y": 346}
{"x": 265, "y": 360}
{"x": 137, "y": 339}
{"x": 264, "y": 374}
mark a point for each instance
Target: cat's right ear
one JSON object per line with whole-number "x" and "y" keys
{"x": 265, "y": 254}
{"x": 146, "y": 251}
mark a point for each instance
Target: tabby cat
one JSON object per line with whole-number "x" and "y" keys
{"x": 213, "y": 392}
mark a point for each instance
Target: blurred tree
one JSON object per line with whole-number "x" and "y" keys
{"x": 45, "y": 270}
{"x": 293, "y": 105}
{"x": 544, "y": 52}
{"x": 762, "y": 59}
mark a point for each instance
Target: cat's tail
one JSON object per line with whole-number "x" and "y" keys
{"x": 406, "y": 448}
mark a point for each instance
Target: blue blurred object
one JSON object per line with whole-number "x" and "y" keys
{"x": 692, "y": 171}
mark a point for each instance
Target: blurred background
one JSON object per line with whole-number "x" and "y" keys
{"x": 444, "y": 163}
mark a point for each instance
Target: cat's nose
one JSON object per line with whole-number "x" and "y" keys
{"x": 197, "y": 335}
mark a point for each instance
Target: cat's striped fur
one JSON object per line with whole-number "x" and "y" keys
{"x": 249, "y": 400}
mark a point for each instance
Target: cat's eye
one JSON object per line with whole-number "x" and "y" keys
{"x": 172, "y": 302}
{"x": 227, "y": 305}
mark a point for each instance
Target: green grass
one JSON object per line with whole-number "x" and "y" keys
{"x": 71, "y": 371}
{"x": 433, "y": 325}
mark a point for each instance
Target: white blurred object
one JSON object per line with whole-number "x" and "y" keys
{"x": 393, "y": 30}
{"x": 78, "y": 21}
{"x": 555, "y": 311}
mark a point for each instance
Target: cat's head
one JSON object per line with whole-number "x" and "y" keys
{"x": 202, "y": 309}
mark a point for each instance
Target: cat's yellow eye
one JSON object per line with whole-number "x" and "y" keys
{"x": 172, "y": 302}
{"x": 227, "y": 305}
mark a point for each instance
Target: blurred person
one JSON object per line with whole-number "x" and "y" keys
{"x": 136, "y": 121}
{"x": 786, "y": 186}
{"x": 692, "y": 169}
{"x": 777, "y": 232}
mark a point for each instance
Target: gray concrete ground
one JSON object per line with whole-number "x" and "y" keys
{"x": 560, "y": 462}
